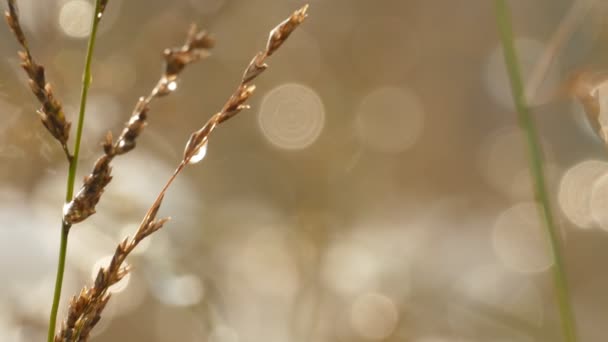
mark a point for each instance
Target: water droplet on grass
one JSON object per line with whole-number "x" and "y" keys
{"x": 172, "y": 86}
{"x": 199, "y": 155}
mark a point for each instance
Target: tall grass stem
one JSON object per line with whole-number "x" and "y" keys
{"x": 535, "y": 158}
{"x": 65, "y": 228}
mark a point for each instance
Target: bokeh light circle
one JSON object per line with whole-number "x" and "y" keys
{"x": 575, "y": 191}
{"x": 265, "y": 252}
{"x": 292, "y": 116}
{"x": 519, "y": 239}
{"x": 75, "y": 18}
{"x": 503, "y": 163}
{"x": 179, "y": 290}
{"x": 374, "y": 316}
{"x": 599, "y": 202}
{"x": 350, "y": 268}
{"x": 389, "y": 119}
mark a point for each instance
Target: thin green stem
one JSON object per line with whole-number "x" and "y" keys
{"x": 63, "y": 247}
{"x": 86, "y": 83}
{"x": 65, "y": 227}
{"x": 535, "y": 156}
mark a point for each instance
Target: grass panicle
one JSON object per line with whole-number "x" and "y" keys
{"x": 51, "y": 113}
{"x": 196, "y": 47}
{"x": 236, "y": 102}
{"x": 535, "y": 158}
{"x": 53, "y": 118}
{"x": 85, "y": 309}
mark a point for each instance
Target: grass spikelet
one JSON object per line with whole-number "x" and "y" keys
{"x": 196, "y": 47}
{"x": 236, "y": 102}
{"x": 51, "y": 113}
{"x": 85, "y": 309}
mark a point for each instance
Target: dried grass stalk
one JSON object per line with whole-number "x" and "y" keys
{"x": 196, "y": 47}
{"x": 51, "y": 113}
{"x": 237, "y": 100}
{"x": 85, "y": 309}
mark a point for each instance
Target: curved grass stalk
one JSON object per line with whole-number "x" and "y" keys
{"x": 535, "y": 158}
{"x": 65, "y": 227}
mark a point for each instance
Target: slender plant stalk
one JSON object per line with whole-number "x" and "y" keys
{"x": 65, "y": 227}
{"x": 63, "y": 247}
{"x": 503, "y": 18}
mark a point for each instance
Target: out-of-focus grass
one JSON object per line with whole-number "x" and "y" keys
{"x": 535, "y": 158}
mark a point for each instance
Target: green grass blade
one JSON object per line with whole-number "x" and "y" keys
{"x": 535, "y": 157}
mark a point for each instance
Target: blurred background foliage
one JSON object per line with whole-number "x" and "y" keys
{"x": 377, "y": 190}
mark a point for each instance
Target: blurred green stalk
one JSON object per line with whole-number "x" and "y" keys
{"x": 535, "y": 158}
{"x": 65, "y": 227}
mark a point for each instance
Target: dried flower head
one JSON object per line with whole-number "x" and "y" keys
{"x": 84, "y": 203}
{"x": 85, "y": 309}
{"x": 51, "y": 113}
{"x": 236, "y": 102}
{"x": 280, "y": 33}
{"x": 197, "y": 46}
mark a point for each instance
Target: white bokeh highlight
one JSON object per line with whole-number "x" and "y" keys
{"x": 292, "y": 116}
{"x": 575, "y": 191}
{"x": 179, "y": 290}
{"x": 599, "y": 202}
{"x": 75, "y": 18}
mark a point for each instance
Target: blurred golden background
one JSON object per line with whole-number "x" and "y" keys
{"x": 376, "y": 191}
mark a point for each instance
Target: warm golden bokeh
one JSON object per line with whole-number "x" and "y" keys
{"x": 377, "y": 189}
